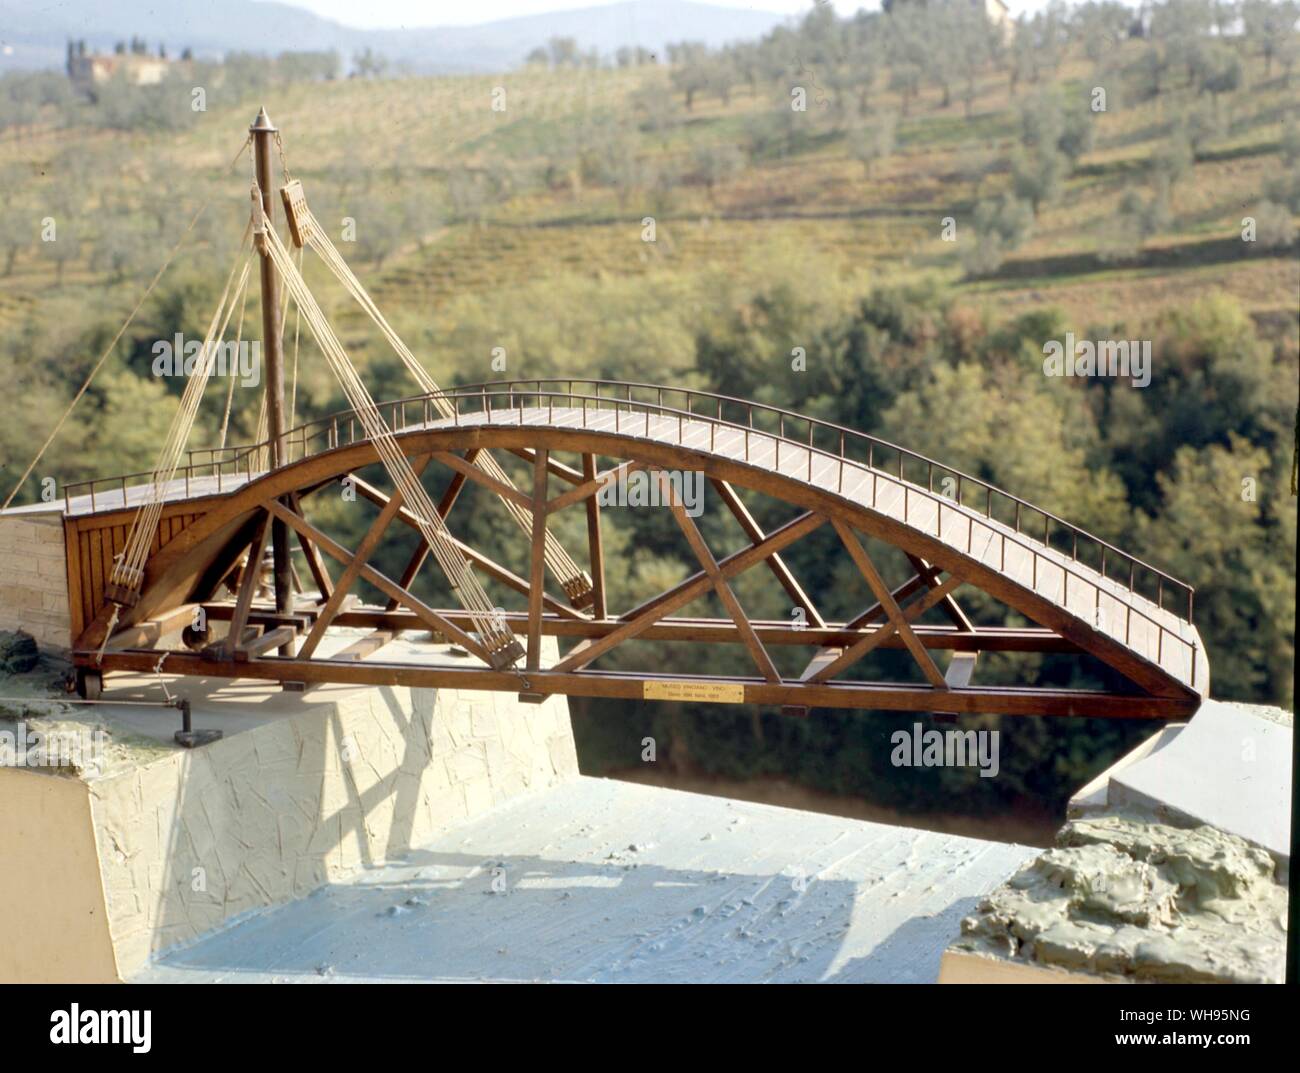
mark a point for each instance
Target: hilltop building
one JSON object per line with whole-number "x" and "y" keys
{"x": 138, "y": 66}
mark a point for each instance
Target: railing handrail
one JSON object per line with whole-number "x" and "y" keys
{"x": 242, "y": 453}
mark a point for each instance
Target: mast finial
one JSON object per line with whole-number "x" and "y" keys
{"x": 263, "y": 121}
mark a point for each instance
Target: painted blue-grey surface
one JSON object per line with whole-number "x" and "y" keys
{"x": 598, "y": 880}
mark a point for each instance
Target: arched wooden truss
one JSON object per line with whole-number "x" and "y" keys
{"x": 1082, "y": 594}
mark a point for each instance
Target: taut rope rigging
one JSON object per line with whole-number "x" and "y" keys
{"x": 128, "y": 567}
{"x": 573, "y": 580}
{"x": 494, "y": 634}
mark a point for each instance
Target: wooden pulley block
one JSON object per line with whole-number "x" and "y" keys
{"x": 297, "y": 213}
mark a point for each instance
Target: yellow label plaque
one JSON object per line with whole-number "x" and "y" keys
{"x": 704, "y": 692}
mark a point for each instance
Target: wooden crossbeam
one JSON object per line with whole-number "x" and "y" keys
{"x": 1003, "y": 700}
{"x": 553, "y": 465}
{"x": 948, "y": 605}
{"x": 488, "y": 565}
{"x": 725, "y": 593}
{"x": 896, "y": 617}
{"x": 275, "y": 638}
{"x": 825, "y": 671}
{"x": 877, "y": 610}
{"x": 151, "y": 631}
{"x": 686, "y": 629}
{"x": 591, "y": 486}
{"x": 443, "y": 508}
{"x": 366, "y": 646}
{"x": 682, "y": 594}
{"x": 474, "y": 473}
{"x": 324, "y": 585}
{"x": 247, "y": 587}
{"x": 426, "y": 614}
{"x": 927, "y": 576}
{"x": 360, "y": 557}
{"x": 777, "y": 565}
{"x": 800, "y": 526}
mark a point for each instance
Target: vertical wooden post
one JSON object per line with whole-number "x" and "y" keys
{"x": 537, "y": 571}
{"x": 263, "y": 132}
{"x": 595, "y": 546}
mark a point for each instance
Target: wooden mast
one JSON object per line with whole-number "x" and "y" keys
{"x": 263, "y": 133}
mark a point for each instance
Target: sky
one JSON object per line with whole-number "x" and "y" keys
{"x": 373, "y": 14}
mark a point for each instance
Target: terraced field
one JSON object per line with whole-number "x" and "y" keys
{"x": 386, "y": 154}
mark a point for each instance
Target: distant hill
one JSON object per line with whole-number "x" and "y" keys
{"x": 35, "y": 37}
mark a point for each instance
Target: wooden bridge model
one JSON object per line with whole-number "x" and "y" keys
{"x": 1085, "y": 594}
{"x": 221, "y": 508}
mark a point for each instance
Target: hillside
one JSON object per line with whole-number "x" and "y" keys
{"x": 211, "y": 28}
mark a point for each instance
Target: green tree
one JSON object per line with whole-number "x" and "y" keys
{"x": 999, "y": 227}
{"x": 1226, "y": 524}
{"x": 872, "y": 141}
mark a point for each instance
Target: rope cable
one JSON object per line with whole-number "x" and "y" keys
{"x": 572, "y": 578}
{"x": 497, "y": 638}
{"x": 239, "y": 338}
{"x": 297, "y": 326}
{"x": 128, "y": 565}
